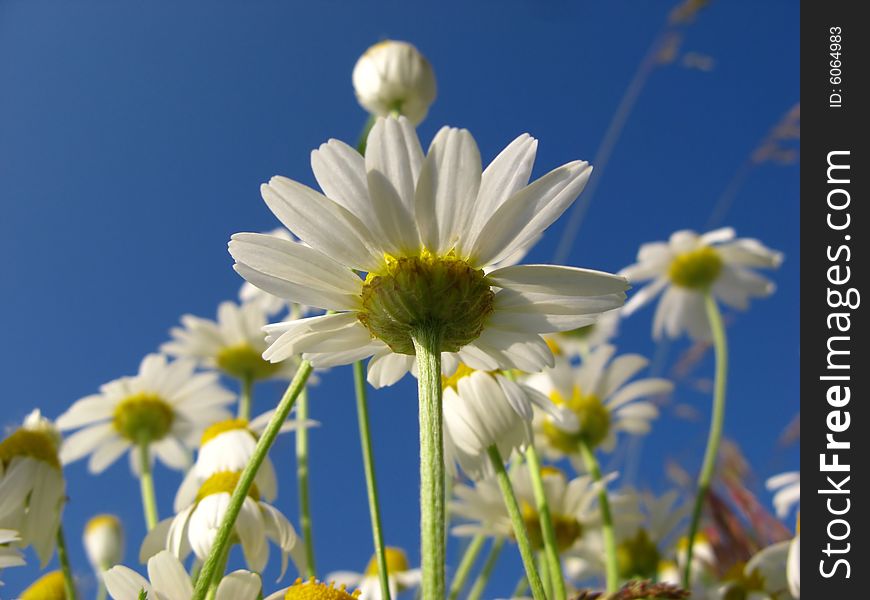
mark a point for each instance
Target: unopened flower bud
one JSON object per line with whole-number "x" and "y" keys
{"x": 104, "y": 542}
{"x": 393, "y": 77}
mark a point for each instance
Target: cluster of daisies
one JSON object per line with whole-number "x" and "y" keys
{"x": 411, "y": 260}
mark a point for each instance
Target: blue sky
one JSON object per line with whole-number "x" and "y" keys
{"x": 133, "y": 140}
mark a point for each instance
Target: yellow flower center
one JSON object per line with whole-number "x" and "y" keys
{"x": 440, "y": 292}
{"x": 36, "y": 444}
{"x": 101, "y": 521}
{"x": 48, "y": 587}
{"x": 638, "y": 557}
{"x": 397, "y": 562}
{"x": 224, "y": 482}
{"x": 593, "y": 416}
{"x": 462, "y": 370}
{"x": 316, "y": 590}
{"x": 697, "y": 269}
{"x": 145, "y": 415}
{"x": 567, "y": 529}
{"x": 212, "y": 431}
{"x": 245, "y": 362}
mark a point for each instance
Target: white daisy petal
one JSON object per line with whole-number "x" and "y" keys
{"x": 239, "y": 585}
{"x": 447, "y": 189}
{"x": 321, "y": 223}
{"x": 393, "y": 161}
{"x": 295, "y": 272}
{"x": 529, "y": 212}
{"x": 507, "y": 174}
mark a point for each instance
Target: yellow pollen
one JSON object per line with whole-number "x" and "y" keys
{"x": 100, "y": 521}
{"x": 245, "y": 362}
{"x": 316, "y": 590}
{"x": 224, "y": 482}
{"x": 697, "y": 269}
{"x": 439, "y": 292}
{"x": 28, "y": 442}
{"x": 214, "y": 430}
{"x": 397, "y": 562}
{"x": 48, "y": 587}
{"x": 144, "y": 415}
{"x": 462, "y": 370}
{"x": 568, "y": 529}
{"x": 593, "y": 416}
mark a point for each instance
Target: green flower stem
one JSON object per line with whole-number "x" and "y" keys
{"x": 427, "y": 346}
{"x": 486, "y": 572}
{"x": 212, "y": 563}
{"x": 465, "y": 564}
{"x": 146, "y": 483}
{"x": 522, "y": 536}
{"x": 246, "y": 398}
{"x": 607, "y": 532}
{"x": 717, "y": 422}
{"x": 69, "y": 585}
{"x": 218, "y": 575}
{"x": 302, "y": 479}
{"x": 544, "y": 570}
{"x": 365, "y": 436}
{"x": 551, "y": 547}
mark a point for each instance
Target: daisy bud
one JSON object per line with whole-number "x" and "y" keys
{"x": 104, "y": 542}
{"x": 393, "y": 77}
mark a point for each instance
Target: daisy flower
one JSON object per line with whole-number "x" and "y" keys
{"x": 196, "y": 526}
{"x": 644, "y": 541}
{"x": 32, "y": 488}
{"x": 483, "y": 409}
{"x": 164, "y": 408}
{"x": 573, "y": 508}
{"x": 601, "y": 398}
{"x": 425, "y": 230}
{"x": 169, "y": 581}
{"x": 10, "y": 556}
{"x": 228, "y": 446}
{"x": 400, "y": 575}
{"x": 392, "y": 77}
{"x": 51, "y": 585}
{"x": 233, "y": 344}
{"x": 787, "y": 491}
{"x": 103, "y": 540}
{"x": 687, "y": 267}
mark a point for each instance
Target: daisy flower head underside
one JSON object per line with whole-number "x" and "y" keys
{"x": 687, "y": 267}
{"x": 400, "y": 241}
{"x": 166, "y": 406}
{"x": 32, "y": 487}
